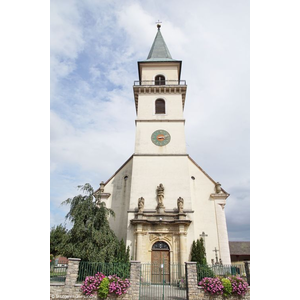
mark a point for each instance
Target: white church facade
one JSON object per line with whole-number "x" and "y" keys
{"x": 162, "y": 199}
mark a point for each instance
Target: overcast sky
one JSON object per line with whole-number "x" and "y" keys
{"x": 95, "y": 46}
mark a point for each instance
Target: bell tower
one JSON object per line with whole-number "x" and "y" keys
{"x": 159, "y": 100}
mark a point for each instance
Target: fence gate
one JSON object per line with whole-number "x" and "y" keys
{"x": 163, "y": 281}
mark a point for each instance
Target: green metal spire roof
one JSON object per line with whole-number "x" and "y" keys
{"x": 159, "y": 50}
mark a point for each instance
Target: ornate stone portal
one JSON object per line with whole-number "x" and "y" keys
{"x": 160, "y": 226}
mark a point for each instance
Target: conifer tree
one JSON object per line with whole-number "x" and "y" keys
{"x": 198, "y": 252}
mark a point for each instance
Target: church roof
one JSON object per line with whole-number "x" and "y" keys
{"x": 239, "y": 248}
{"x": 159, "y": 51}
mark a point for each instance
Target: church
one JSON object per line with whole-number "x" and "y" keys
{"x": 163, "y": 200}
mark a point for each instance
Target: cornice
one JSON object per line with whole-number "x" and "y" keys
{"x": 159, "y": 120}
{"x": 219, "y": 196}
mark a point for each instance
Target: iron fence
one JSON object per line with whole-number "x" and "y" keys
{"x": 159, "y": 83}
{"x": 86, "y": 268}
{"x": 162, "y": 281}
{"x": 58, "y": 273}
{"x": 241, "y": 270}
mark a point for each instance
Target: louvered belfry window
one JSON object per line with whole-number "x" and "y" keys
{"x": 160, "y": 80}
{"x": 160, "y": 107}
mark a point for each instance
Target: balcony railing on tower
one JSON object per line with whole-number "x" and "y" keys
{"x": 159, "y": 82}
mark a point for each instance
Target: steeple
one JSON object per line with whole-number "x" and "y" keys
{"x": 159, "y": 54}
{"x": 159, "y": 50}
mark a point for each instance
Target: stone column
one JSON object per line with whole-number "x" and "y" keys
{"x": 223, "y": 234}
{"x": 72, "y": 274}
{"x": 135, "y": 273}
{"x": 220, "y": 201}
{"x": 191, "y": 281}
{"x": 138, "y": 242}
{"x": 182, "y": 244}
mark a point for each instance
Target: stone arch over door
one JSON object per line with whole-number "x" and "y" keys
{"x": 160, "y": 263}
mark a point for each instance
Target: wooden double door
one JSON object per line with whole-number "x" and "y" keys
{"x": 160, "y": 267}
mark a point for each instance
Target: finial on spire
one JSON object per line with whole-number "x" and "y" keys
{"x": 158, "y": 24}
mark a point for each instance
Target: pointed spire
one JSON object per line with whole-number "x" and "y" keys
{"x": 159, "y": 50}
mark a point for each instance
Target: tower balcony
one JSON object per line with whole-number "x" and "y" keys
{"x": 159, "y": 83}
{"x": 160, "y": 87}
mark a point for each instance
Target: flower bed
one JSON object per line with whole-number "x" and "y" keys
{"x": 231, "y": 286}
{"x": 104, "y": 285}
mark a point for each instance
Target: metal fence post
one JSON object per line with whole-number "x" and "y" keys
{"x": 247, "y": 271}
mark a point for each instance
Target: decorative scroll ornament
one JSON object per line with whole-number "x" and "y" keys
{"x": 180, "y": 203}
{"x": 141, "y": 204}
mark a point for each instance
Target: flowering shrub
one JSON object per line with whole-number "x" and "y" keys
{"x": 117, "y": 285}
{"x": 233, "y": 285}
{"x": 239, "y": 285}
{"x": 212, "y": 286}
{"x": 103, "y": 285}
{"x": 91, "y": 284}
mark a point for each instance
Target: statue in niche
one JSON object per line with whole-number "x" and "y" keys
{"x": 218, "y": 188}
{"x": 141, "y": 204}
{"x": 180, "y": 202}
{"x": 160, "y": 195}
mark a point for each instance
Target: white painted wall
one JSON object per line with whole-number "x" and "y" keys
{"x": 150, "y": 70}
{"x": 146, "y": 107}
{"x": 119, "y": 188}
{"x": 144, "y": 144}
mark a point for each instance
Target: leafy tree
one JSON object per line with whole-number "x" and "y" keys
{"x": 57, "y": 235}
{"x": 90, "y": 238}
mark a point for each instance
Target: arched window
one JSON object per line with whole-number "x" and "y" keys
{"x": 160, "y": 80}
{"x": 160, "y": 246}
{"x": 160, "y": 106}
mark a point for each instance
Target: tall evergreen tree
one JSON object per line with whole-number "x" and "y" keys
{"x": 198, "y": 253}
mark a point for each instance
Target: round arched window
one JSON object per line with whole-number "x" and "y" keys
{"x": 160, "y": 80}
{"x": 160, "y": 106}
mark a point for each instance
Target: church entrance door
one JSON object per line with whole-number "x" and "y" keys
{"x": 160, "y": 263}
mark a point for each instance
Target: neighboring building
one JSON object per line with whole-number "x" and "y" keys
{"x": 61, "y": 261}
{"x": 239, "y": 252}
{"x": 162, "y": 199}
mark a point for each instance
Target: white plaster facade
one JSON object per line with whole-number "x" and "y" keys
{"x": 170, "y": 165}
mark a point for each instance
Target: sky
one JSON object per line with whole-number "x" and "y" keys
{"x": 95, "y": 46}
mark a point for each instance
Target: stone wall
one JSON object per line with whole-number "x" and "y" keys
{"x": 71, "y": 290}
{"x": 197, "y": 293}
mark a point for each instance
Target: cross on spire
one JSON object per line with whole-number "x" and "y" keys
{"x": 158, "y": 24}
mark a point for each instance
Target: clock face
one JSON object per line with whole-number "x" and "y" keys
{"x": 160, "y": 137}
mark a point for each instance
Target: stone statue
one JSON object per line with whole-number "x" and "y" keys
{"x": 180, "y": 202}
{"x": 102, "y": 185}
{"x": 141, "y": 204}
{"x": 218, "y": 188}
{"x": 160, "y": 195}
